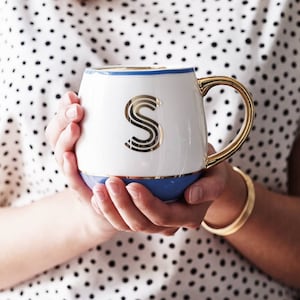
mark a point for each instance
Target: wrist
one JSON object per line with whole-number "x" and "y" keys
{"x": 94, "y": 228}
{"x": 229, "y": 205}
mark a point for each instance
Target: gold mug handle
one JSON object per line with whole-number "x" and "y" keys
{"x": 205, "y": 84}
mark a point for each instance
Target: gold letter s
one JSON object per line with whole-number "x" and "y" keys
{"x": 133, "y": 115}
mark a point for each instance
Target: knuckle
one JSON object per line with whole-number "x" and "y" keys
{"x": 120, "y": 228}
{"x": 169, "y": 232}
{"x": 219, "y": 186}
{"x": 116, "y": 226}
{"x": 120, "y": 204}
{"x": 139, "y": 226}
{"x": 161, "y": 220}
{"x": 193, "y": 225}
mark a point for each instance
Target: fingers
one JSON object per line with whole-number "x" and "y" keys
{"x": 134, "y": 208}
{"x": 106, "y": 206}
{"x": 66, "y": 141}
{"x": 153, "y": 210}
{"x": 209, "y": 187}
{"x": 113, "y": 201}
{"x": 69, "y": 110}
{"x": 62, "y": 133}
{"x": 177, "y": 214}
{"x": 69, "y": 166}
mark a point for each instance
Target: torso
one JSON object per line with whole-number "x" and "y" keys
{"x": 46, "y": 48}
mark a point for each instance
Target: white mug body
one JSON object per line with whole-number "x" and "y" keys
{"x": 143, "y": 124}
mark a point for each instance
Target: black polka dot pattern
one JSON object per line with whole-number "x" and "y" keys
{"x": 46, "y": 45}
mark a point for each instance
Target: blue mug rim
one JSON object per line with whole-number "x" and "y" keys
{"x": 118, "y": 70}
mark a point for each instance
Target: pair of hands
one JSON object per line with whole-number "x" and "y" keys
{"x": 131, "y": 207}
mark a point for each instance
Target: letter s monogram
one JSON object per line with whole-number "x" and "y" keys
{"x": 135, "y": 117}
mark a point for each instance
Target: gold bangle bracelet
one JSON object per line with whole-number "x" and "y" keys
{"x": 245, "y": 213}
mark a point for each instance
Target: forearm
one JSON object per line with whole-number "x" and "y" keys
{"x": 270, "y": 238}
{"x": 51, "y": 231}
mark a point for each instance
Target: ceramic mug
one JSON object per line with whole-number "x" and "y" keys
{"x": 147, "y": 124}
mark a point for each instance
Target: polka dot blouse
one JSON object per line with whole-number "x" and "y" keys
{"x": 45, "y": 47}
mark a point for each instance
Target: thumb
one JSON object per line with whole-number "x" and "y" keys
{"x": 209, "y": 187}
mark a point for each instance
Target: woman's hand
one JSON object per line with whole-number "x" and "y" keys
{"x": 132, "y": 207}
{"x": 62, "y": 133}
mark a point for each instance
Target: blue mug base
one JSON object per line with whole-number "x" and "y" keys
{"x": 167, "y": 189}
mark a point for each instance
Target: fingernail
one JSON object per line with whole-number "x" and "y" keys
{"x": 97, "y": 190}
{"x": 195, "y": 194}
{"x": 113, "y": 186}
{"x": 71, "y": 113}
{"x": 132, "y": 191}
{"x": 72, "y": 94}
